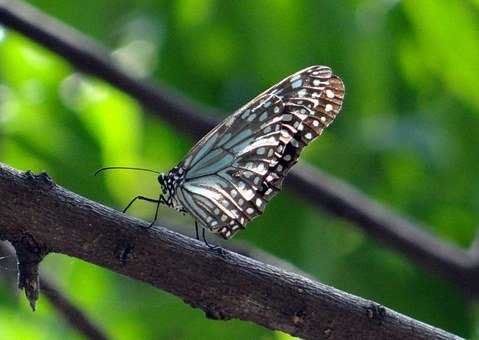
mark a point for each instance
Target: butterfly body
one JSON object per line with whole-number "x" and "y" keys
{"x": 230, "y": 175}
{"x": 169, "y": 185}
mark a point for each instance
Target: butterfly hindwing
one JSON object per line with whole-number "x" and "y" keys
{"x": 232, "y": 172}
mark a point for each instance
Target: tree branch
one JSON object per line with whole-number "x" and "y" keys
{"x": 474, "y": 253}
{"x": 322, "y": 189}
{"x": 474, "y": 249}
{"x": 398, "y": 233}
{"x": 224, "y": 285}
{"x": 246, "y": 249}
{"x": 8, "y": 274}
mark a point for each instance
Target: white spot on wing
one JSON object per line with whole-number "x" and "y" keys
{"x": 248, "y": 194}
{"x": 296, "y": 83}
{"x": 296, "y": 77}
{"x": 302, "y": 93}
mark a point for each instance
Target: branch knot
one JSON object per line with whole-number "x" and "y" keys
{"x": 29, "y": 256}
{"x": 42, "y": 179}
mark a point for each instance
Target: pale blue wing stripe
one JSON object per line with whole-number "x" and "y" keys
{"x": 214, "y": 197}
{"x": 193, "y": 208}
{"x": 238, "y": 138}
{"x": 240, "y": 146}
{"x": 211, "y": 168}
{"x": 205, "y": 148}
{"x": 201, "y": 191}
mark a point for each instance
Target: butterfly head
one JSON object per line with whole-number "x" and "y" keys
{"x": 169, "y": 183}
{"x": 166, "y": 188}
{"x": 162, "y": 178}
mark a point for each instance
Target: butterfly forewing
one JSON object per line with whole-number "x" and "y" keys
{"x": 232, "y": 172}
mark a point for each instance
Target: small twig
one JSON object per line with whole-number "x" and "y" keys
{"x": 224, "y": 285}
{"x": 9, "y": 265}
{"x": 77, "y": 318}
{"x": 29, "y": 256}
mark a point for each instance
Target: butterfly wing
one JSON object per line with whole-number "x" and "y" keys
{"x": 232, "y": 172}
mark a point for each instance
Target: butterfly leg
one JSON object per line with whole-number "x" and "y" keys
{"x": 159, "y": 201}
{"x": 212, "y": 247}
{"x": 196, "y": 230}
{"x": 143, "y": 198}
{"x": 217, "y": 249}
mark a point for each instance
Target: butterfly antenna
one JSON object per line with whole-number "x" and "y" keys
{"x": 124, "y": 168}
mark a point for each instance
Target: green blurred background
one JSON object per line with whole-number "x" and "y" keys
{"x": 408, "y": 136}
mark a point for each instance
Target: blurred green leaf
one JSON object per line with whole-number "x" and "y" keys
{"x": 447, "y": 33}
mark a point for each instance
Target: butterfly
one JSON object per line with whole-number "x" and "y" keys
{"x": 231, "y": 174}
